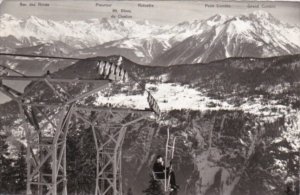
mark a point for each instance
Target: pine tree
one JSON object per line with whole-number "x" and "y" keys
{"x": 5, "y": 166}
{"x": 81, "y": 160}
{"x": 154, "y": 187}
{"x": 19, "y": 171}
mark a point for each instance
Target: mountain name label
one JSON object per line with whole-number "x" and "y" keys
{"x": 121, "y": 13}
{"x": 144, "y": 5}
{"x": 34, "y": 4}
{"x": 103, "y": 5}
{"x": 217, "y": 5}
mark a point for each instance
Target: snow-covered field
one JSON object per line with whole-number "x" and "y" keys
{"x": 173, "y": 96}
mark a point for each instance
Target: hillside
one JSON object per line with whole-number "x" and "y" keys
{"x": 235, "y": 118}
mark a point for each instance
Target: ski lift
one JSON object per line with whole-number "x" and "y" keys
{"x": 169, "y": 155}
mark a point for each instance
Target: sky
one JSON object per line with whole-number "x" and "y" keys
{"x": 162, "y": 12}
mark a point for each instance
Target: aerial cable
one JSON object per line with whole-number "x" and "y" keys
{"x": 40, "y": 56}
{"x": 7, "y": 68}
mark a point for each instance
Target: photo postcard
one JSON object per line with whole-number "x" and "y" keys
{"x": 149, "y": 97}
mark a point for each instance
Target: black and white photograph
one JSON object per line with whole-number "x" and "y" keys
{"x": 108, "y": 97}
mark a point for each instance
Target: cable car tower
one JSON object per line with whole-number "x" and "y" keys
{"x": 54, "y": 104}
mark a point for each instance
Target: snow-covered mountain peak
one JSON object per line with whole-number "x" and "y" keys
{"x": 217, "y": 19}
{"x": 264, "y": 17}
{"x": 261, "y": 14}
{"x": 76, "y": 33}
{"x": 237, "y": 26}
{"x": 7, "y": 17}
{"x": 143, "y": 22}
{"x": 201, "y": 25}
{"x": 32, "y": 18}
{"x": 36, "y": 22}
{"x": 123, "y": 23}
{"x": 257, "y": 34}
{"x": 183, "y": 24}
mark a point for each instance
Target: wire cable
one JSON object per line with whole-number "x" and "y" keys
{"x": 39, "y": 56}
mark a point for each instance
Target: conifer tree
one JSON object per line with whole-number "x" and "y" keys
{"x": 81, "y": 160}
{"x": 5, "y": 165}
{"x": 19, "y": 171}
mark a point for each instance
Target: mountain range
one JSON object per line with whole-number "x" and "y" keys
{"x": 257, "y": 34}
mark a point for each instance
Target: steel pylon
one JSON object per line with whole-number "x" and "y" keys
{"x": 50, "y": 117}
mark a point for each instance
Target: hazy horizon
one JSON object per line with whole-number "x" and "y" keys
{"x": 162, "y": 12}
